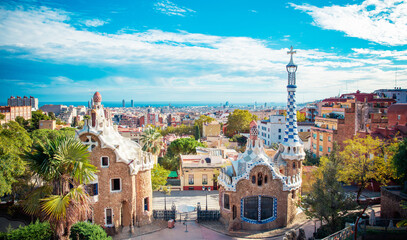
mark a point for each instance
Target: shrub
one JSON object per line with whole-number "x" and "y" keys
{"x": 88, "y": 231}
{"x": 34, "y": 231}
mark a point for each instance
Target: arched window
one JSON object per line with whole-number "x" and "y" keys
{"x": 254, "y": 179}
{"x": 293, "y": 165}
{"x": 294, "y": 149}
{"x": 288, "y": 151}
{"x": 293, "y": 194}
{"x": 259, "y": 179}
{"x": 265, "y": 179}
{"x": 234, "y": 210}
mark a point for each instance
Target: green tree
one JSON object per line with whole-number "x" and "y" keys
{"x": 326, "y": 200}
{"x": 152, "y": 141}
{"x": 51, "y": 115}
{"x": 13, "y": 141}
{"x": 88, "y": 231}
{"x": 168, "y": 162}
{"x": 159, "y": 176}
{"x": 36, "y": 116}
{"x": 181, "y": 130}
{"x": 41, "y": 135}
{"x": 399, "y": 162}
{"x": 183, "y": 146}
{"x": 23, "y": 123}
{"x": 310, "y": 160}
{"x": 239, "y": 121}
{"x": 2, "y": 116}
{"x": 241, "y": 140}
{"x": 60, "y": 163}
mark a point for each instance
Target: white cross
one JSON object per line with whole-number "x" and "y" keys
{"x": 91, "y": 144}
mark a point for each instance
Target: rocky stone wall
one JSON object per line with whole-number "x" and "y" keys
{"x": 390, "y": 203}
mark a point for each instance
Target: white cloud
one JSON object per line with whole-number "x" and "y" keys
{"x": 186, "y": 65}
{"x": 383, "y": 22}
{"x": 171, "y": 9}
{"x": 95, "y": 23}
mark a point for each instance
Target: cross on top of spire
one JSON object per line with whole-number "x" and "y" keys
{"x": 291, "y": 51}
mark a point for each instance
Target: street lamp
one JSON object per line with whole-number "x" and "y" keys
{"x": 206, "y": 189}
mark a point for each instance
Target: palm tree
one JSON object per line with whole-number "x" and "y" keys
{"x": 152, "y": 141}
{"x": 63, "y": 164}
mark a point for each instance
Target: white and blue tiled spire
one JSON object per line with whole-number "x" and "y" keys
{"x": 291, "y": 132}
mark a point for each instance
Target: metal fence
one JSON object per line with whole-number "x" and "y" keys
{"x": 165, "y": 214}
{"x": 207, "y": 215}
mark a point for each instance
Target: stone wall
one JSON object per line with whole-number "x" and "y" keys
{"x": 144, "y": 190}
{"x": 286, "y": 209}
{"x": 390, "y": 203}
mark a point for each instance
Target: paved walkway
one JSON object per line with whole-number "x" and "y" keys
{"x": 188, "y": 198}
{"x": 195, "y": 231}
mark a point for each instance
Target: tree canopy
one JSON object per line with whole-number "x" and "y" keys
{"x": 183, "y": 146}
{"x": 152, "y": 140}
{"x": 14, "y": 140}
{"x": 159, "y": 176}
{"x": 326, "y": 200}
{"x": 400, "y": 161}
{"x": 239, "y": 121}
{"x": 36, "y": 116}
{"x": 179, "y": 130}
{"x": 60, "y": 163}
{"x": 41, "y": 135}
{"x": 366, "y": 159}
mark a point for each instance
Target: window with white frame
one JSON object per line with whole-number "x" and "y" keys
{"x": 104, "y": 162}
{"x": 109, "y": 216}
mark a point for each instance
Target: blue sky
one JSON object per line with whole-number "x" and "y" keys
{"x": 199, "y": 50}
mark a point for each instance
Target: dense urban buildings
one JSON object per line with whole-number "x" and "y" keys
{"x": 11, "y": 113}
{"x": 24, "y": 101}
{"x": 398, "y": 94}
{"x": 343, "y": 117}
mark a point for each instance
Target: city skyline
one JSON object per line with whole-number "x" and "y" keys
{"x": 174, "y": 51}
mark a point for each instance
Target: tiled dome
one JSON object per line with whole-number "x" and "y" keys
{"x": 97, "y": 97}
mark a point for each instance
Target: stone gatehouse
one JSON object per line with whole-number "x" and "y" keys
{"x": 121, "y": 193}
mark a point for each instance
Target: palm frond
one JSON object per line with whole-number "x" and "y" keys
{"x": 31, "y": 205}
{"x": 55, "y": 206}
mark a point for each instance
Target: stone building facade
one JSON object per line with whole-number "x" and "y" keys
{"x": 121, "y": 192}
{"x": 258, "y": 192}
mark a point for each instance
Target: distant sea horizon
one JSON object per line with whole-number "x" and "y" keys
{"x": 152, "y": 104}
